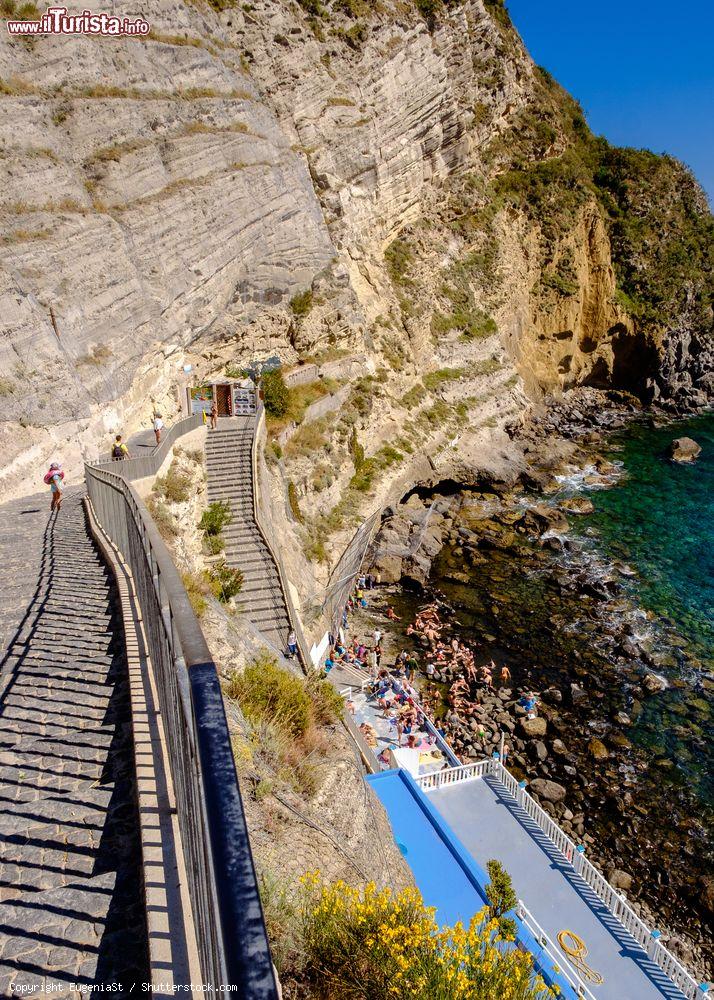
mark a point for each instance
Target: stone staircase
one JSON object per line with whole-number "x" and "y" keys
{"x": 71, "y": 892}
{"x": 230, "y": 479}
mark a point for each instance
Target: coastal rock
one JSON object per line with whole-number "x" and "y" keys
{"x": 619, "y": 879}
{"x": 598, "y": 750}
{"x": 540, "y": 518}
{"x": 548, "y": 790}
{"x": 684, "y": 449}
{"x": 559, "y": 748}
{"x": 534, "y": 727}
{"x": 578, "y": 505}
{"x": 387, "y": 568}
{"x": 578, "y": 695}
{"x": 654, "y": 683}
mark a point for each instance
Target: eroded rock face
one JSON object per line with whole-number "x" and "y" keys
{"x": 136, "y": 223}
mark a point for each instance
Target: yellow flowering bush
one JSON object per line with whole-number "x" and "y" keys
{"x": 374, "y": 944}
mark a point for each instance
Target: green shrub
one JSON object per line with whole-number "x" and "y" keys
{"x": 225, "y": 581}
{"x": 175, "y": 486}
{"x": 215, "y": 518}
{"x": 162, "y": 517}
{"x": 197, "y": 589}
{"x": 275, "y": 393}
{"x": 433, "y": 380}
{"x": 356, "y": 450}
{"x": 213, "y": 544}
{"x": 265, "y": 690}
{"x": 501, "y": 898}
{"x": 413, "y": 397}
{"x": 399, "y": 258}
{"x": 313, "y": 7}
{"x": 294, "y": 502}
{"x": 302, "y": 303}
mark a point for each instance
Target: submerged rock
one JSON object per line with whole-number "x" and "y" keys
{"x": 598, "y": 750}
{"x": 653, "y": 683}
{"x": 684, "y": 449}
{"x": 578, "y": 505}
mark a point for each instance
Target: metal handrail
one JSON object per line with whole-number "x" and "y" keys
{"x": 226, "y": 912}
{"x": 541, "y": 938}
{"x": 132, "y": 469}
{"x": 618, "y": 907}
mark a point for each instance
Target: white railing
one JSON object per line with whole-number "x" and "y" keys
{"x": 563, "y": 967}
{"x": 647, "y": 939}
{"x": 450, "y": 775}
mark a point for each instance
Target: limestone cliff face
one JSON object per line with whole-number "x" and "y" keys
{"x": 164, "y": 198}
{"x": 567, "y": 340}
{"x": 149, "y": 198}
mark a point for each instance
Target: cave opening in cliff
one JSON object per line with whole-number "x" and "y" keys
{"x": 634, "y": 361}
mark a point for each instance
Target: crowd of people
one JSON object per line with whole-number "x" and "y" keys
{"x": 410, "y": 711}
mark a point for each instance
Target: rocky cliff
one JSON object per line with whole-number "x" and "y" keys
{"x": 436, "y": 199}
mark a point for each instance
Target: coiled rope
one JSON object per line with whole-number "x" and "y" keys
{"x": 576, "y": 950}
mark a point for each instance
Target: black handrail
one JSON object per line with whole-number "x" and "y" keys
{"x": 227, "y": 916}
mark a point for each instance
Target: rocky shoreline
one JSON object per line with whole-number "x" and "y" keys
{"x": 567, "y": 623}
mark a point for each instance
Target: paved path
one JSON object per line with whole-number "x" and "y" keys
{"x": 71, "y": 908}
{"x": 489, "y": 823}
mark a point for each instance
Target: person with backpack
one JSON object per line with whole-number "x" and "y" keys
{"x": 119, "y": 450}
{"x": 53, "y": 478}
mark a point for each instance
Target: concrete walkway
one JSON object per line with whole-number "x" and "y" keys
{"x": 490, "y": 824}
{"x": 71, "y": 905}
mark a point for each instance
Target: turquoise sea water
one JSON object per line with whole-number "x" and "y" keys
{"x": 659, "y": 519}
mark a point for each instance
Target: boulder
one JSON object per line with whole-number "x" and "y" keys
{"x": 578, "y": 695}
{"x": 653, "y": 683}
{"x": 534, "y": 727}
{"x": 684, "y": 449}
{"x": 540, "y": 518}
{"x": 549, "y": 791}
{"x": 598, "y": 750}
{"x": 559, "y": 748}
{"x": 578, "y": 505}
{"x": 619, "y": 879}
{"x": 387, "y": 568}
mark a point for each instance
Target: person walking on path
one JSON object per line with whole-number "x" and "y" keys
{"x": 53, "y": 479}
{"x": 158, "y": 427}
{"x": 214, "y": 415}
{"x": 119, "y": 450}
{"x": 292, "y": 645}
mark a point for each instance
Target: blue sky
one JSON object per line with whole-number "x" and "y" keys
{"x": 643, "y": 72}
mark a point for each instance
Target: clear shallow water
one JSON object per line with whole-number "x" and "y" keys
{"x": 659, "y": 519}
